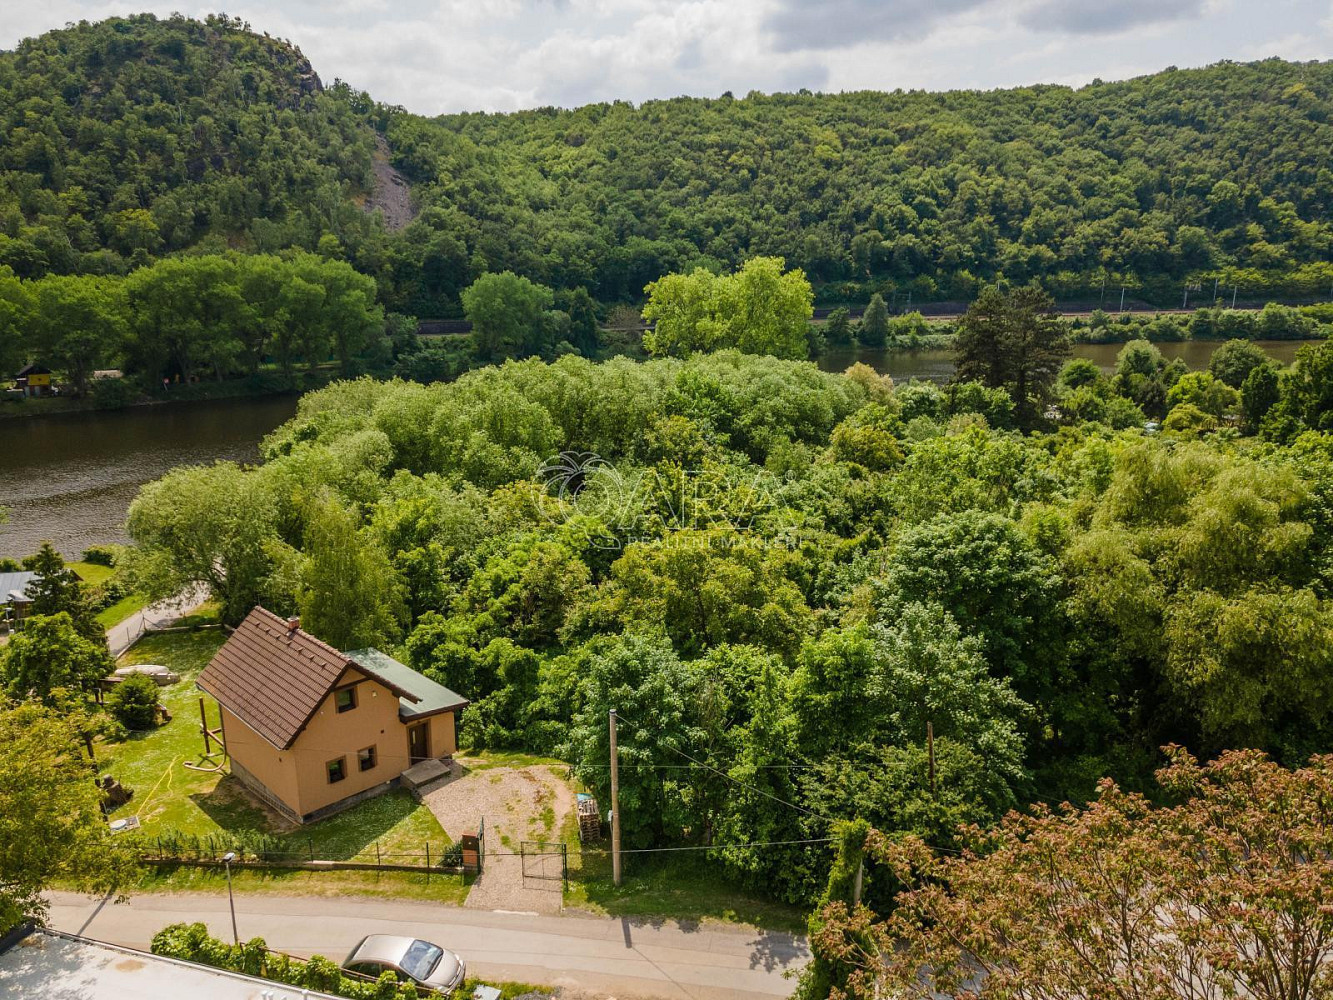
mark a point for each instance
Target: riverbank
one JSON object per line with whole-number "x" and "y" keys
{"x": 936, "y": 364}
{"x": 115, "y": 395}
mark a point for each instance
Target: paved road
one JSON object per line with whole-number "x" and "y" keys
{"x": 598, "y": 956}
{"x": 123, "y": 633}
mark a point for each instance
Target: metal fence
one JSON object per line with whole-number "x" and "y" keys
{"x": 545, "y": 860}
{"x": 265, "y": 850}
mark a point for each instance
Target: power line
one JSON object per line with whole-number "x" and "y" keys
{"x": 668, "y": 850}
{"x": 724, "y": 774}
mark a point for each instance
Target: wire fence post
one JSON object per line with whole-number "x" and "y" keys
{"x": 378, "y": 865}
{"x": 310, "y": 843}
{"x": 428, "y": 862}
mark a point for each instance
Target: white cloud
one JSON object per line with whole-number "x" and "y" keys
{"x": 444, "y": 55}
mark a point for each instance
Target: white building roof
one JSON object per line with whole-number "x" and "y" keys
{"x": 49, "y": 963}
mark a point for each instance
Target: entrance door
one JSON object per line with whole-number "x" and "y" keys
{"x": 418, "y": 741}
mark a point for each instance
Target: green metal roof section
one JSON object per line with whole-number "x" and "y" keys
{"x": 431, "y": 697}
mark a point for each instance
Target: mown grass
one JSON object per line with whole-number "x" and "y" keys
{"x": 671, "y": 886}
{"x": 114, "y": 614}
{"x": 171, "y": 798}
{"x": 92, "y": 574}
{"x": 445, "y": 888}
{"x": 485, "y": 760}
{"x": 681, "y": 886}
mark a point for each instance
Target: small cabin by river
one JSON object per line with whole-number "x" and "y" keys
{"x": 311, "y": 730}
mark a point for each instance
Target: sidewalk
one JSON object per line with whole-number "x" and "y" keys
{"x": 123, "y": 634}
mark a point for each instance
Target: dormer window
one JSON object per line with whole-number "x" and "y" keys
{"x": 345, "y": 699}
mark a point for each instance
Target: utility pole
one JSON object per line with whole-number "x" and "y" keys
{"x": 615, "y": 804}
{"x": 227, "y": 859}
{"x": 1186, "y": 303}
{"x": 1215, "y": 281}
{"x": 1122, "y": 298}
{"x": 1233, "y": 296}
{"x": 930, "y": 751}
{"x": 1102, "y": 304}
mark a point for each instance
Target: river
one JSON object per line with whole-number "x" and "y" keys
{"x": 936, "y": 364}
{"x": 70, "y": 477}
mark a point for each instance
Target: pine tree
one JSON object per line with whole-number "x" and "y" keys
{"x": 874, "y": 328}
{"x": 1013, "y": 341}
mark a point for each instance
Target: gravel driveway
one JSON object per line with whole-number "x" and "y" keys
{"x": 518, "y": 803}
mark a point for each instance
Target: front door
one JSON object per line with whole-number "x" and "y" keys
{"x": 418, "y": 741}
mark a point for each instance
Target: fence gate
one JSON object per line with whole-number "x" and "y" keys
{"x": 545, "y": 860}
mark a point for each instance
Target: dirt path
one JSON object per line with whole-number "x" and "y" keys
{"x": 518, "y": 804}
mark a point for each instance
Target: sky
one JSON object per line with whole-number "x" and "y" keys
{"x": 436, "y": 56}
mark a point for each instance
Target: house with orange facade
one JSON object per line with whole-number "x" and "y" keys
{"x": 311, "y": 730}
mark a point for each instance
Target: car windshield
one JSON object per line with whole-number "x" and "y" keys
{"x": 420, "y": 958}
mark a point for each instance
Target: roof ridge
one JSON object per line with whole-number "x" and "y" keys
{"x": 273, "y": 676}
{"x": 313, "y": 638}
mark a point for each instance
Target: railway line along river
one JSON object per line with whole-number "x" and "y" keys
{"x": 70, "y": 477}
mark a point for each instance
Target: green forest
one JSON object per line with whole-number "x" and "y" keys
{"x": 133, "y": 139}
{"x": 783, "y": 579}
{"x": 968, "y": 632}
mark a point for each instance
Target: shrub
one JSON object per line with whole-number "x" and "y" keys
{"x": 102, "y": 555}
{"x": 192, "y": 943}
{"x": 114, "y": 393}
{"x": 133, "y": 702}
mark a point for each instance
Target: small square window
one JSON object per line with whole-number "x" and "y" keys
{"x": 337, "y": 770}
{"x": 345, "y": 699}
{"x": 366, "y": 758}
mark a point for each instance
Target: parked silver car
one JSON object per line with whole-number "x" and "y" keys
{"x": 410, "y": 959}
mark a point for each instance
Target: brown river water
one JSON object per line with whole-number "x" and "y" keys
{"x": 70, "y": 477}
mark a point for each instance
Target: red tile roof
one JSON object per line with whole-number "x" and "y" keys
{"x": 273, "y": 676}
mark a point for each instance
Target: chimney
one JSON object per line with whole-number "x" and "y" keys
{"x": 293, "y": 624}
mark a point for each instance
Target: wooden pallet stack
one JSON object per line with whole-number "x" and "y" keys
{"x": 590, "y": 821}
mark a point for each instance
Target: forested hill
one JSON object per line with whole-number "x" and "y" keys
{"x": 1167, "y": 175}
{"x": 133, "y": 138}
{"x": 136, "y": 138}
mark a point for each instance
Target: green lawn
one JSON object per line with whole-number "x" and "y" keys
{"x": 92, "y": 573}
{"x": 682, "y": 885}
{"x": 116, "y": 613}
{"x": 170, "y": 797}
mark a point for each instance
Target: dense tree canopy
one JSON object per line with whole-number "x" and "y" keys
{"x": 786, "y": 579}
{"x": 760, "y": 309}
{"x": 134, "y": 138}
{"x": 51, "y": 826}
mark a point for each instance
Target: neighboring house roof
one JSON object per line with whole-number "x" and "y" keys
{"x": 48, "y": 963}
{"x": 273, "y": 676}
{"x": 430, "y": 698}
{"x": 14, "y": 587}
{"x": 32, "y": 370}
